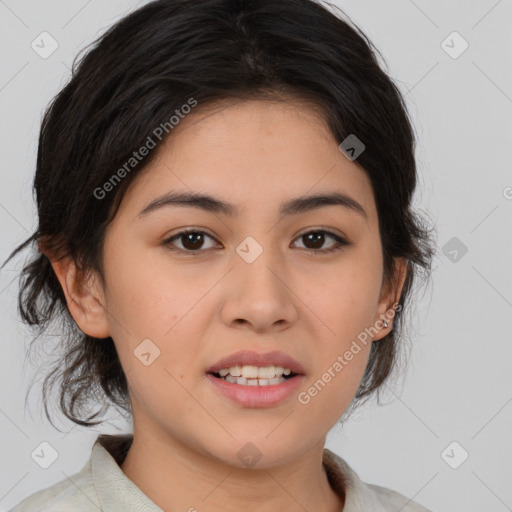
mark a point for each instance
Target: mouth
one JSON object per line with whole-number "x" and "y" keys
{"x": 248, "y": 375}
{"x": 253, "y": 379}
{"x": 255, "y": 368}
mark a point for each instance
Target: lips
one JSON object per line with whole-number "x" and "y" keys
{"x": 252, "y": 358}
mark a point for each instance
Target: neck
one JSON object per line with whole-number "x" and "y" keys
{"x": 176, "y": 477}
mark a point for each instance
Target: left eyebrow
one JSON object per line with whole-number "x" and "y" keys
{"x": 293, "y": 206}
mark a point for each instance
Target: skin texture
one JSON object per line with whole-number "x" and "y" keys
{"x": 197, "y": 309}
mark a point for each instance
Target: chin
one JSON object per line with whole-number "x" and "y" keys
{"x": 262, "y": 451}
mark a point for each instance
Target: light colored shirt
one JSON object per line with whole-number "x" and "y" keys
{"x": 102, "y": 486}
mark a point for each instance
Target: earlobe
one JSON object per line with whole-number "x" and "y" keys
{"x": 84, "y": 298}
{"x": 390, "y": 298}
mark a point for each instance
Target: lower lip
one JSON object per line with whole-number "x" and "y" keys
{"x": 257, "y": 396}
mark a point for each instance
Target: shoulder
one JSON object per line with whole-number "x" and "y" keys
{"x": 361, "y": 496}
{"x": 75, "y": 492}
{"x": 393, "y": 500}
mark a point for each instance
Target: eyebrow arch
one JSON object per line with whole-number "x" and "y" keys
{"x": 293, "y": 206}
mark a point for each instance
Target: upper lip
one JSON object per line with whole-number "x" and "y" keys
{"x": 250, "y": 357}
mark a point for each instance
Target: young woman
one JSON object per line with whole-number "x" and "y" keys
{"x": 225, "y": 229}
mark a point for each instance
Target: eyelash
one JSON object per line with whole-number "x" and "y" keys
{"x": 340, "y": 242}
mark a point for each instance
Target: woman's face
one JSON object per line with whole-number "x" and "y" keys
{"x": 252, "y": 282}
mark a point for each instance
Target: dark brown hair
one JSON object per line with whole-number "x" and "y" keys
{"x": 133, "y": 79}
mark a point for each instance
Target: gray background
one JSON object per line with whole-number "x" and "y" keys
{"x": 459, "y": 384}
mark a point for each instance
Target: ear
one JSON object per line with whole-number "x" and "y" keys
{"x": 84, "y": 297}
{"x": 390, "y": 296}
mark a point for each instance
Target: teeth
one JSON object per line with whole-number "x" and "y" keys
{"x": 235, "y": 371}
{"x": 254, "y": 382}
{"x": 247, "y": 372}
{"x": 267, "y": 372}
{"x": 254, "y": 372}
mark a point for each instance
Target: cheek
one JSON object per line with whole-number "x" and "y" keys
{"x": 344, "y": 306}
{"x": 156, "y": 317}
{"x": 150, "y": 296}
{"x": 343, "y": 301}
{"x": 329, "y": 393}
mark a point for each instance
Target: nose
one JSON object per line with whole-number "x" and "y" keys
{"x": 259, "y": 295}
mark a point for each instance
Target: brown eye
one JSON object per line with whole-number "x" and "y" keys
{"x": 191, "y": 241}
{"x": 314, "y": 240}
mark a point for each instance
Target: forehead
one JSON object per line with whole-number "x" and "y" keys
{"x": 251, "y": 154}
